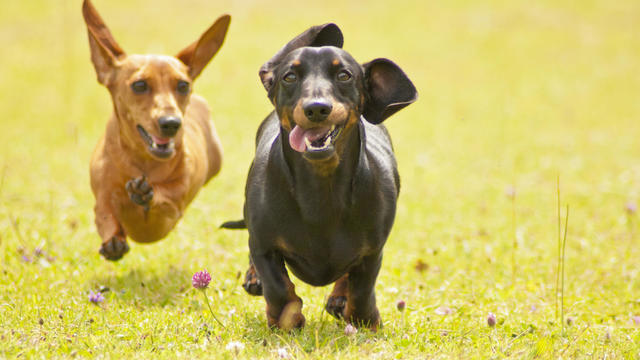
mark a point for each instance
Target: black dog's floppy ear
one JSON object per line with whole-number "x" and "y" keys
{"x": 316, "y": 36}
{"x": 388, "y": 90}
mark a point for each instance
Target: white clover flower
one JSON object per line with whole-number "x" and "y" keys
{"x": 350, "y": 330}
{"x": 235, "y": 346}
{"x": 444, "y": 310}
{"x": 282, "y": 353}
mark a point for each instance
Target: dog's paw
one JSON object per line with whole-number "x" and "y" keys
{"x": 370, "y": 321}
{"x": 291, "y": 317}
{"x": 252, "y": 283}
{"x": 335, "y": 306}
{"x": 114, "y": 248}
{"x": 140, "y": 192}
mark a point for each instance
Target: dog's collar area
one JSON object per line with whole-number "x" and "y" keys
{"x": 161, "y": 148}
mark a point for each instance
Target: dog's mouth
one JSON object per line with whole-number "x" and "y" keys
{"x": 316, "y": 142}
{"x": 160, "y": 147}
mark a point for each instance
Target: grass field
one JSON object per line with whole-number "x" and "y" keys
{"x": 513, "y": 96}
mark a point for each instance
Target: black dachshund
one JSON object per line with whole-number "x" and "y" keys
{"x": 322, "y": 190}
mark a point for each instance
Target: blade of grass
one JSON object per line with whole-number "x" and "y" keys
{"x": 16, "y": 229}
{"x": 515, "y": 240}
{"x": 4, "y": 169}
{"x": 559, "y": 243}
{"x": 564, "y": 243}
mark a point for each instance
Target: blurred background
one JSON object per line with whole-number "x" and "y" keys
{"x": 512, "y": 96}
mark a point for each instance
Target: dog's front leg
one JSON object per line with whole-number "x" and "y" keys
{"x": 361, "y": 309}
{"x": 160, "y": 208}
{"x": 114, "y": 240}
{"x": 140, "y": 192}
{"x": 284, "y": 307}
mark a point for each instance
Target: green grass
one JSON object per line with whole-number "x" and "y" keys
{"x": 511, "y": 94}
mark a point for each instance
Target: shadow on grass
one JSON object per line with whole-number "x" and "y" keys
{"x": 143, "y": 287}
{"x": 326, "y": 332}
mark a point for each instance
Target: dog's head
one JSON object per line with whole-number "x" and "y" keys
{"x": 319, "y": 91}
{"x": 150, "y": 93}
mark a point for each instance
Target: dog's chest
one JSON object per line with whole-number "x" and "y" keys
{"x": 320, "y": 258}
{"x": 317, "y": 255}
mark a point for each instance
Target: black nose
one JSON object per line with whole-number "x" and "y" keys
{"x": 317, "y": 110}
{"x": 169, "y": 125}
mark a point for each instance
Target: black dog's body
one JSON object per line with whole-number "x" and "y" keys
{"x": 322, "y": 226}
{"x": 322, "y": 190}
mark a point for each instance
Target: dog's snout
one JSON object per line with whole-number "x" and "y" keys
{"x": 169, "y": 125}
{"x": 317, "y": 110}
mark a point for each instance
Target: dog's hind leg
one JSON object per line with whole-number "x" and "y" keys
{"x": 361, "y": 309}
{"x": 284, "y": 307}
{"x": 252, "y": 283}
{"x": 338, "y": 298}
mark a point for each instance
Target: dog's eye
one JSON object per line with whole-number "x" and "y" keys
{"x": 183, "y": 87}
{"x": 140, "y": 86}
{"x": 344, "y": 75}
{"x": 290, "y": 77}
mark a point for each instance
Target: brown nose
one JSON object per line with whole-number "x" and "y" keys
{"x": 317, "y": 110}
{"x": 169, "y": 125}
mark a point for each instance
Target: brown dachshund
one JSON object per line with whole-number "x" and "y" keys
{"x": 160, "y": 146}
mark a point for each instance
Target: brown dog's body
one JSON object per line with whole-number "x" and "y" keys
{"x": 175, "y": 182}
{"x": 160, "y": 146}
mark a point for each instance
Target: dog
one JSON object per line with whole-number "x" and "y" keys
{"x": 322, "y": 189}
{"x": 160, "y": 146}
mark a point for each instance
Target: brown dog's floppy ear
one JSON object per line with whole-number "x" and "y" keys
{"x": 388, "y": 89}
{"x": 197, "y": 55}
{"x": 105, "y": 51}
{"x": 316, "y": 36}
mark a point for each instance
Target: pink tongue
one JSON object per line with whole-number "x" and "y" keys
{"x": 298, "y": 134}
{"x": 296, "y": 139}
{"x": 160, "y": 141}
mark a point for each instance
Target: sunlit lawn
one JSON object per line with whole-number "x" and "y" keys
{"x": 513, "y": 96}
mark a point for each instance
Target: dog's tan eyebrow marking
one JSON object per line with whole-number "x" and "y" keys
{"x": 175, "y": 66}
{"x": 142, "y": 72}
{"x": 335, "y": 62}
{"x": 295, "y": 62}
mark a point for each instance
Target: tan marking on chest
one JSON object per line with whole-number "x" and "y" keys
{"x": 282, "y": 245}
